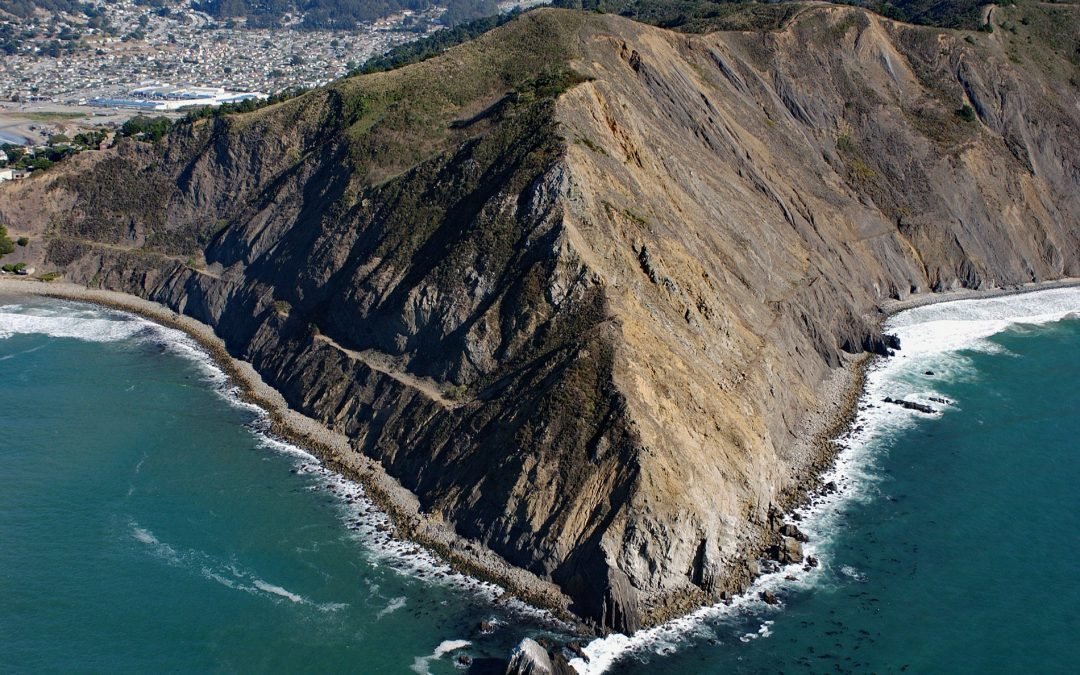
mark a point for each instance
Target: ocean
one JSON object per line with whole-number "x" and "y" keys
{"x": 147, "y": 521}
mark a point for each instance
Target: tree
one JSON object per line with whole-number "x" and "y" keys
{"x": 14, "y": 152}
{"x": 146, "y": 128}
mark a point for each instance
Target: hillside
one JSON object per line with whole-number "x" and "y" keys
{"x": 588, "y": 287}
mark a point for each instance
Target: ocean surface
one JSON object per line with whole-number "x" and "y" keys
{"x": 148, "y": 523}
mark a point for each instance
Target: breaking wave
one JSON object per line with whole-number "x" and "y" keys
{"x": 422, "y": 663}
{"x": 82, "y": 321}
{"x": 230, "y": 575}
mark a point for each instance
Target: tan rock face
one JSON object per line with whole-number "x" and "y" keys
{"x": 580, "y": 285}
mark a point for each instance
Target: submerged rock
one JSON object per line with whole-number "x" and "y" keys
{"x": 575, "y": 647}
{"x": 914, "y": 405}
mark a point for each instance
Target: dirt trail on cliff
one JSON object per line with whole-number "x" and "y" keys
{"x": 384, "y": 364}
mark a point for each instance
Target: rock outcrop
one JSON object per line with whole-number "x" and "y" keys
{"x": 579, "y": 284}
{"x": 531, "y": 658}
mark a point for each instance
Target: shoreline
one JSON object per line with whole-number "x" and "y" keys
{"x": 818, "y": 443}
{"x": 850, "y": 381}
{"x": 332, "y": 449}
{"x": 824, "y": 428}
{"x": 893, "y": 306}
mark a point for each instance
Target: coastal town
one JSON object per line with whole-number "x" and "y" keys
{"x": 183, "y": 45}
{"x": 63, "y": 74}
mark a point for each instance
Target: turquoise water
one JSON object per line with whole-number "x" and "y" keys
{"x": 147, "y": 525}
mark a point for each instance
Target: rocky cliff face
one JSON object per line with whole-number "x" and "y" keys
{"x": 578, "y": 284}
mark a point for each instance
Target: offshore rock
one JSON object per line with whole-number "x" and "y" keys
{"x": 532, "y": 658}
{"x": 911, "y": 405}
{"x": 529, "y": 658}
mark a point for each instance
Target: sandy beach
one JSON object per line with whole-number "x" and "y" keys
{"x": 890, "y": 307}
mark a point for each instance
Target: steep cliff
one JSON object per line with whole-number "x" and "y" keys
{"x": 578, "y": 284}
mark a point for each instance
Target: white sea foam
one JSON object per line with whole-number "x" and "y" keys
{"x": 25, "y": 351}
{"x": 394, "y": 605}
{"x": 933, "y": 338}
{"x": 279, "y": 591}
{"x": 422, "y": 663}
{"x": 372, "y": 528}
{"x": 92, "y": 326}
{"x": 82, "y": 321}
{"x": 231, "y": 575}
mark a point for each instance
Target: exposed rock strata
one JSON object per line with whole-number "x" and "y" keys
{"x": 578, "y": 285}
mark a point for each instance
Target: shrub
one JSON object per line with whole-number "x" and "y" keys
{"x": 22, "y": 241}
{"x": 966, "y": 112}
{"x": 457, "y": 392}
{"x": 6, "y": 245}
{"x": 861, "y": 171}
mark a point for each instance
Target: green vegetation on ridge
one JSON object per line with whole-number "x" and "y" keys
{"x": 489, "y": 99}
{"x": 435, "y": 44}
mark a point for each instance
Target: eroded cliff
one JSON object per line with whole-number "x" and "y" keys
{"x": 578, "y": 284}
